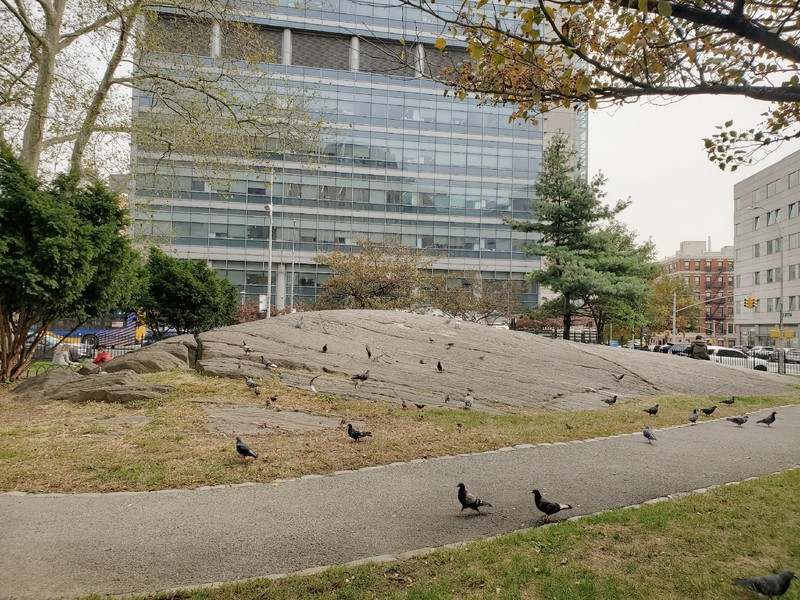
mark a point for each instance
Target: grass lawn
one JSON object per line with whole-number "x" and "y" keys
{"x": 688, "y": 548}
{"x": 48, "y": 446}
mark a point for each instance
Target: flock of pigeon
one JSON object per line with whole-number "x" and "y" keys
{"x": 770, "y": 585}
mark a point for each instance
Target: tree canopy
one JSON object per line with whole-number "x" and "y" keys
{"x": 588, "y": 259}
{"x": 659, "y": 306}
{"x": 380, "y": 276}
{"x": 471, "y": 297}
{"x": 186, "y": 295}
{"x": 63, "y": 254}
{"x": 597, "y": 53}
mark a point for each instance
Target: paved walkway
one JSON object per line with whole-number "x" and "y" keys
{"x": 68, "y": 545}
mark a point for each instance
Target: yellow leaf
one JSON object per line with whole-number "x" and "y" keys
{"x": 643, "y": 5}
{"x": 584, "y": 84}
{"x": 440, "y": 44}
{"x": 664, "y": 8}
{"x": 593, "y": 103}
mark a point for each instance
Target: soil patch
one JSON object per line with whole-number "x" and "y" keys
{"x": 261, "y": 420}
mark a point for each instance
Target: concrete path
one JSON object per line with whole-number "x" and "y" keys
{"x": 68, "y": 545}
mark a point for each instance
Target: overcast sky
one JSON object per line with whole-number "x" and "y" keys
{"x": 655, "y": 156}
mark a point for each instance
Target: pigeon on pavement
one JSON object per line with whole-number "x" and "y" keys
{"x": 653, "y": 410}
{"x": 357, "y": 434}
{"x": 468, "y": 400}
{"x": 730, "y": 401}
{"x": 738, "y": 420}
{"x": 325, "y": 348}
{"x": 769, "y": 585}
{"x": 369, "y": 351}
{"x": 693, "y": 417}
{"x": 769, "y": 420}
{"x": 244, "y": 450}
{"x": 299, "y": 324}
{"x": 247, "y": 349}
{"x": 268, "y": 363}
{"x": 447, "y": 398}
{"x": 439, "y": 366}
{"x": 618, "y": 377}
{"x": 468, "y": 500}
{"x": 610, "y": 401}
{"x": 548, "y": 508}
{"x": 361, "y": 377}
{"x": 311, "y": 383}
{"x": 708, "y": 411}
{"x": 649, "y": 435}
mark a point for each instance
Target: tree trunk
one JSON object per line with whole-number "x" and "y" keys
{"x": 567, "y": 317}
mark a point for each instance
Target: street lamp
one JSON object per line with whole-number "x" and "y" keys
{"x": 781, "y": 363}
{"x": 291, "y": 285}
{"x": 269, "y": 251}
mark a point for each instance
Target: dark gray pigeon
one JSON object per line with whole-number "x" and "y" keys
{"x": 361, "y": 377}
{"x": 244, "y": 450}
{"x": 468, "y": 500}
{"x": 708, "y": 411}
{"x": 738, "y": 420}
{"x": 649, "y": 435}
{"x": 325, "y": 348}
{"x": 610, "y": 401}
{"x": 251, "y": 383}
{"x": 653, "y": 410}
{"x": 730, "y": 401}
{"x": 693, "y": 417}
{"x": 439, "y": 366}
{"x": 268, "y": 363}
{"x": 357, "y": 434}
{"x": 768, "y": 421}
{"x": 548, "y": 508}
{"x": 769, "y": 585}
{"x": 247, "y": 349}
{"x": 619, "y": 377}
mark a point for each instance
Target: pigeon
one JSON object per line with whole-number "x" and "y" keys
{"x": 610, "y": 401}
{"x": 769, "y": 585}
{"x": 356, "y": 434}
{"x": 422, "y": 361}
{"x": 247, "y": 349}
{"x": 299, "y": 324}
{"x": 708, "y": 411}
{"x": 450, "y": 345}
{"x": 251, "y": 383}
{"x": 468, "y": 500}
{"x": 244, "y": 450}
{"x": 268, "y": 363}
{"x": 548, "y": 508}
{"x": 738, "y": 420}
{"x": 325, "y": 348}
{"x": 468, "y": 400}
{"x": 618, "y": 377}
{"x": 649, "y": 435}
{"x": 653, "y": 410}
{"x": 404, "y": 405}
{"x": 768, "y": 421}
{"x": 729, "y": 402}
{"x": 369, "y": 351}
{"x": 419, "y": 406}
{"x": 361, "y": 377}
{"x": 257, "y": 390}
{"x": 693, "y": 417}
{"x": 447, "y": 398}
{"x": 430, "y": 339}
{"x": 311, "y": 383}
{"x": 459, "y": 425}
{"x": 439, "y": 366}
{"x": 273, "y": 399}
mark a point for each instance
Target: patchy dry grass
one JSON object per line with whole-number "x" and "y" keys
{"x": 686, "y": 548}
{"x": 66, "y": 447}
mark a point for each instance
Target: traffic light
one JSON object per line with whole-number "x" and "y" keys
{"x": 750, "y": 302}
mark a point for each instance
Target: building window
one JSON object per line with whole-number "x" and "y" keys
{"x": 773, "y": 216}
{"x": 686, "y": 265}
{"x": 757, "y": 278}
{"x": 792, "y": 272}
{"x": 769, "y": 247}
{"x": 756, "y": 250}
{"x": 793, "y": 210}
{"x": 730, "y": 328}
{"x": 770, "y": 275}
{"x": 792, "y": 303}
{"x": 770, "y": 304}
{"x": 757, "y": 222}
{"x": 738, "y": 281}
{"x": 794, "y": 179}
{"x": 772, "y": 188}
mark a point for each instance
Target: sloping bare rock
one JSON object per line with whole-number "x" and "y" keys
{"x": 148, "y": 361}
{"x": 234, "y": 368}
{"x": 501, "y": 368}
{"x": 123, "y": 386}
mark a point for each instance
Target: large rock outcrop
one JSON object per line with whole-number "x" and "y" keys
{"x": 67, "y": 385}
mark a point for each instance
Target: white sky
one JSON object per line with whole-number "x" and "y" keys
{"x": 655, "y": 156}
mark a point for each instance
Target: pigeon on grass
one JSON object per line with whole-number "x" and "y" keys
{"x": 768, "y": 420}
{"x": 244, "y": 450}
{"x": 357, "y": 434}
{"x": 693, "y": 417}
{"x": 769, "y": 585}
{"x": 652, "y": 411}
{"x": 738, "y": 420}
{"x": 469, "y": 501}
{"x": 610, "y": 401}
{"x": 708, "y": 411}
{"x": 649, "y": 435}
{"x": 251, "y": 383}
{"x": 468, "y": 400}
{"x": 547, "y": 507}
{"x": 730, "y": 401}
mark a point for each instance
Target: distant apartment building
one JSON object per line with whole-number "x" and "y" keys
{"x": 711, "y": 278}
{"x": 399, "y": 160}
{"x": 767, "y": 243}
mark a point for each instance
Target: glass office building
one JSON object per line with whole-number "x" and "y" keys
{"x": 398, "y": 158}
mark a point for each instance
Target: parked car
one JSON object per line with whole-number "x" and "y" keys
{"x": 791, "y": 355}
{"x": 736, "y": 358}
{"x": 44, "y": 350}
{"x": 761, "y": 351}
{"x": 681, "y": 349}
{"x": 665, "y": 347}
